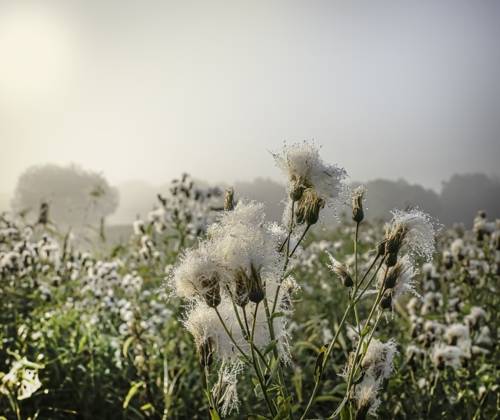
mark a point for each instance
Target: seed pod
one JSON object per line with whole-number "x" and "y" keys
{"x": 242, "y": 293}
{"x": 229, "y": 200}
{"x": 347, "y": 281}
{"x": 386, "y": 301}
{"x": 309, "y": 207}
{"x": 211, "y": 290}
{"x": 296, "y": 191}
{"x": 391, "y": 260}
{"x": 357, "y": 205}
{"x": 341, "y": 271}
{"x": 393, "y": 275}
{"x": 256, "y": 292}
{"x": 394, "y": 238}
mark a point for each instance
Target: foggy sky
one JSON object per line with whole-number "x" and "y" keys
{"x": 147, "y": 90}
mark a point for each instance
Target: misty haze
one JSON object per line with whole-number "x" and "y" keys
{"x": 249, "y": 209}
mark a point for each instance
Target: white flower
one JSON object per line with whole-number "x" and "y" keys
{"x": 476, "y": 314}
{"x": 302, "y": 164}
{"x": 458, "y": 335}
{"x": 378, "y": 359}
{"x": 444, "y": 355}
{"x": 413, "y": 351}
{"x": 241, "y": 239}
{"x": 138, "y": 227}
{"x": 366, "y": 395}
{"x": 198, "y": 273}
{"x": 340, "y": 270}
{"x": 403, "y": 274}
{"x": 415, "y": 229}
{"x": 484, "y": 337}
{"x": 457, "y": 247}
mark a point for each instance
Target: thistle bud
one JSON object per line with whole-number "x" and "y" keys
{"x": 309, "y": 207}
{"x": 386, "y": 301}
{"x": 341, "y": 271}
{"x": 242, "y": 293}
{"x": 296, "y": 190}
{"x": 211, "y": 290}
{"x": 357, "y": 204}
{"x": 393, "y": 276}
{"x": 229, "y": 200}
{"x": 394, "y": 238}
{"x": 391, "y": 260}
{"x": 256, "y": 292}
{"x": 448, "y": 261}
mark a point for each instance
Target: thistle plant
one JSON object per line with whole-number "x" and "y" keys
{"x": 297, "y": 319}
{"x": 239, "y": 291}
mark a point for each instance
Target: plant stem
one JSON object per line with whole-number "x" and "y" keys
{"x": 255, "y": 364}
{"x": 300, "y": 240}
{"x": 352, "y": 302}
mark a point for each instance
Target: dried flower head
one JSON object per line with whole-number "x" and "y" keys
{"x": 340, "y": 270}
{"x": 415, "y": 229}
{"x": 357, "y": 203}
{"x": 378, "y": 359}
{"x": 366, "y": 398}
{"x": 444, "y": 355}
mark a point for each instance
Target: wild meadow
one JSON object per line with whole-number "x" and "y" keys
{"x": 209, "y": 310}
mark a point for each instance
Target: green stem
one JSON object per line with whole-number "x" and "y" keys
{"x": 255, "y": 364}
{"x": 364, "y": 332}
{"x": 300, "y": 240}
{"x": 352, "y": 303}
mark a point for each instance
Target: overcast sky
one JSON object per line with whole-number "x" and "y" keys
{"x": 147, "y": 90}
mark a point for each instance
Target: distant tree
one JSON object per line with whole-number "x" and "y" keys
{"x": 264, "y": 190}
{"x": 463, "y": 195}
{"x": 68, "y": 195}
{"x": 383, "y": 195}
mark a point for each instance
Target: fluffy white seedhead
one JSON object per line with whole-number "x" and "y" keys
{"x": 444, "y": 355}
{"x": 458, "y": 335}
{"x": 302, "y": 163}
{"x": 203, "y": 323}
{"x": 457, "y": 247}
{"x": 378, "y": 360}
{"x": 241, "y": 240}
{"x": 366, "y": 394}
{"x": 194, "y": 266}
{"x": 339, "y": 270}
{"x": 406, "y": 282}
{"x": 420, "y": 231}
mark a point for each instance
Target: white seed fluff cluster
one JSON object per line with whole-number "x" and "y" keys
{"x": 302, "y": 162}
{"x": 420, "y": 231}
{"x": 445, "y": 355}
{"x": 377, "y": 364}
{"x": 305, "y": 171}
{"x": 240, "y": 253}
{"x": 406, "y": 281}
